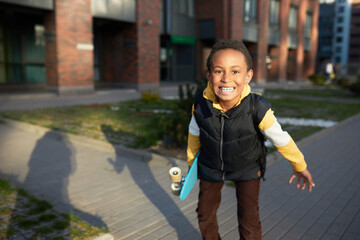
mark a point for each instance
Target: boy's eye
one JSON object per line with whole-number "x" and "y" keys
{"x": 217, "y": 71}
{"x": 235, "y": 72}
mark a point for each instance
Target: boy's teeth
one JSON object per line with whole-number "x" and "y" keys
{"x": 227, "y": 89}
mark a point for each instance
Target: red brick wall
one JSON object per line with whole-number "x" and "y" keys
{"x": 262, "y": 47}
{"x": 300, "y": 33}
{"x": 310, "y": 65}
{"x": 236, "y": 16}
{"x": 142, "y": 46}
{"x": 51, "y": 57}
{"x": 252, "y": 47}
{"x": 273, "y": 73}
{"x": 283, "y": 47}
{"x": 212, "y": 9}
{"x": 291, "y": 65}
{"x": 69, "y": 66}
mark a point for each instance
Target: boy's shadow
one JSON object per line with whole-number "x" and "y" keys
{"x": 144, "y": 178}
{"x": 51, "y": 163}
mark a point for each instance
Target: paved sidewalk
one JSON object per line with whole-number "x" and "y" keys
{"x": 22, "y": 101}
{"x": 128, "y": 191}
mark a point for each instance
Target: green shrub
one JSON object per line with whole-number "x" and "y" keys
{"x": 355, "y": 87}
{"x": 150, "y": 96}
{"x": 344, "y": 82}
{"x": 317, "y": 79}
{"x": 176, "y": 124}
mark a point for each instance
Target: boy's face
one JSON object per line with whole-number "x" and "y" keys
{"x": 229, "y": 75}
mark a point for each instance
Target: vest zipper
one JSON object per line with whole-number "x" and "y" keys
{"x": 222, "y": 121}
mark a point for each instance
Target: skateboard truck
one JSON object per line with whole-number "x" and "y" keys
{"x": 176, "y": 180}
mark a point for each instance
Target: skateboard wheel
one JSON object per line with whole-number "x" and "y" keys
{"x": 176, "y": 188}
{"x": 175, "y": 174}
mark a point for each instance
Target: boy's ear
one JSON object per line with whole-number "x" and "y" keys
{"x": 249, "y": 76}
{"x": 208, "y": 75}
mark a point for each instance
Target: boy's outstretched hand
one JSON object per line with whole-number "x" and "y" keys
{"x": 306, "y": 178}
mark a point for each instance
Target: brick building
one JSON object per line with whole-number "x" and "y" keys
{"x": 71, "y": 46}
{"x": 354, "y": 40}
{"x": 280, "y": 34}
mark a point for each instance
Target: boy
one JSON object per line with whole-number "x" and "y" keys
{"x": 222, "y": 127}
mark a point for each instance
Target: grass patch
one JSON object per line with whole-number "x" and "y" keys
{"x": 327, "y": 92}
{"x": 41, "y": 219}
{"x": 47, "y": 217}
{"x": 28, "y": 223}
{"x": 132, "y": 123}
{"x": 40, "y": 206}
{"x": 44, "y": 230}
{"x": 6, "y": 188}
{"x": 5, "y": 211}
{"x": 302, "y": 108}
{"x": 61, "y": 225}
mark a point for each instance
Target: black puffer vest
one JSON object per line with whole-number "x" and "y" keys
{"x": 230, "y": 144}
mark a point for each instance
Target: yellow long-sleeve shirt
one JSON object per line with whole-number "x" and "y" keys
{"x": 268, "y": 126}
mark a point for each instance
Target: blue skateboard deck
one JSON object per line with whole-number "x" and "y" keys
{"x": 190, "y": 179}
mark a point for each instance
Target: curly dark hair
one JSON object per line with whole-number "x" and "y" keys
{"x": 229, "y": 44}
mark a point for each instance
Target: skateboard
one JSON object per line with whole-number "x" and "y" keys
{"x": 183, "y": 185}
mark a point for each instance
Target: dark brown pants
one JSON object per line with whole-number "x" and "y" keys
{"x": 247, "y": 194}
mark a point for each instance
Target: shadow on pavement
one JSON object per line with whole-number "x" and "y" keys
{"x": 49, "y": 168}
{"x": 144, "y": 178}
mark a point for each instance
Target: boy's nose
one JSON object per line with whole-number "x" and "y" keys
{"x": 226, "y": 77}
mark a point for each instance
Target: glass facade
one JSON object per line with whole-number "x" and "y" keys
{"x": 185, "y": 7}
{"x": 250, "y": 11}
{"x": 274, "y": 13}
{"x": 22, "y": 49}
{"x": 308, "y": 24}
{"x": 293, "y": 18}
{"x": 178, "y": 41}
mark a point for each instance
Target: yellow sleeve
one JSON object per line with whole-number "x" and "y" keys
{"x": 283, "y": 142}
{"x": 292, "y": 153}
{"x": 193, "y": 148}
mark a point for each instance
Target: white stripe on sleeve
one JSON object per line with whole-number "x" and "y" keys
{"x": 193, "y": 127}
{"x": 276, "y": 135}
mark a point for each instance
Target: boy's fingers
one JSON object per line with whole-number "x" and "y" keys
{"x": 307, "y": 180}
{"x": 298, "y": 182}
{"x": 310, "y": 187}
{"x": 292, "y": 178}
{"x": 304, "y": 185}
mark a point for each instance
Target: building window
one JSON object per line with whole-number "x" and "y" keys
{"x": 339, "y": 29}
{"x": 191, "y": 8}
{"x": 341, "y": 9}
{"x": 185, "y": 7}
{"x": 337, "y": 59}
{"x": 308, "y": 24}
{"x": 293, "y": 18}
{"x": 250, "y": 11}
{"x": 22, "y": 50}
{"x": 274, "y": 13}
{"x": 340, "y": 19}
{"x": 339, "y": 39}
{"x": 182, "y": 6}
{"x": 338, "y": 49}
